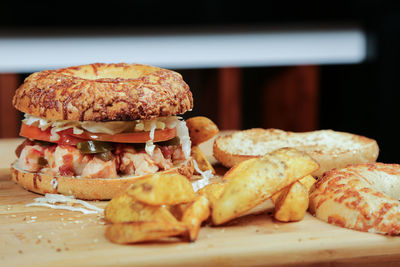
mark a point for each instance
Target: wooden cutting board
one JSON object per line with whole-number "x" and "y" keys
{"x": 41, "y": 236}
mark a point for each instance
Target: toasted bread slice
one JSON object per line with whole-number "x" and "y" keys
{"x": 331, "y": 149}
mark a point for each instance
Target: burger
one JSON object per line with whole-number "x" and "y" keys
{"x": 91, "y": 130}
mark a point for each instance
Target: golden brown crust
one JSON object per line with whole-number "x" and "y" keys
{"x": 83, "y": 188}
{"x": 363, "y": 197}
{"x": 226, "y": 158}
{"x": 331, "y": 149}
{"x": 102, "y": 92}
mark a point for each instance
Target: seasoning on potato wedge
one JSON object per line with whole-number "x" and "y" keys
{"x": 163, "y": 189}
{"x": 259, "y": 180}
{"x": 125, "y": 208}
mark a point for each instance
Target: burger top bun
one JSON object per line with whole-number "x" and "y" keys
{"x": 103, "y": 92}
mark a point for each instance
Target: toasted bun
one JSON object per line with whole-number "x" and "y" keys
{"x": 363, "y": 197}
{"x": 83, "y": 188}
{"x": 102, "y": 92}
{"x": 329, "y": 148}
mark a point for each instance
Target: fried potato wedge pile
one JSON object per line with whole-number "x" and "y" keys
{"x": 165, "y": 205}
{"x": 162, "y": 205}
{"x": 253, "y": 181}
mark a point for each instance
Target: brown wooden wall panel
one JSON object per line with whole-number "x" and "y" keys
{"x": 9, "y": 119}
{"x": 229, "y": 98}
{"x": 291, "y": 99}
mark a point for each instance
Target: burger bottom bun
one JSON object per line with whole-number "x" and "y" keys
{"x": 84, "y": 188}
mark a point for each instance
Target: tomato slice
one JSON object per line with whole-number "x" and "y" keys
{"x": 33, "y": 132}
{"x": 135, "y": 137}
{"x": 67, "y": 137}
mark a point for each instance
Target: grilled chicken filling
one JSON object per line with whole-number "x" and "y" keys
{"x": 123, "y": 159}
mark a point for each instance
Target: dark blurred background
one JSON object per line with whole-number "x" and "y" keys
{"x": 360, "y": 97}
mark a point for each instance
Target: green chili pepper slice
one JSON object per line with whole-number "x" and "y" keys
{"x": 105, "y": 156}
{"x": 94, "y": 147}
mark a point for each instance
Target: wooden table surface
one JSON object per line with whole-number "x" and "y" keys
{"x": 41, "y": 236}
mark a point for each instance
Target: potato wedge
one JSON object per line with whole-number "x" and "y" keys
{"x": 278, "y": 194}
{"x": 250, "y": 185}
{"x": 264, "y": 207}
{"x": 292, "y": 204}
{"x": 242, "y": 167}
{"x": 201, "y": 129}
{"x": 163, "y": 189}
{"x": 125, "y": 208}
{"x": 201, "y": 159}
{"x": 196, "y": 213}
{"x": 134, "y": 232}
{"x": 212, "y": 191}
{"x": 308, "y": 181}
{"x": 177, "y": 210}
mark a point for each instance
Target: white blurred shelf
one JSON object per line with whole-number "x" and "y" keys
{"x": 186, "y": 50}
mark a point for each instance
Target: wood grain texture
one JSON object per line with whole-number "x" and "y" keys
{"x": 291, "y": 99}
{"x": 9, "y": 121}
{"x": 48, "y": 237}
{"x": 7, "y": 151}
{"x": 229, "y": 97}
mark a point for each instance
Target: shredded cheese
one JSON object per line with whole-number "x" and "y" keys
{"x": 50, "y": 200}
{"x": 206, "y": 176}
{"x": 183, "y": 134}
{"x": 181, "y": 130}
{"x": 149, "y": 144}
